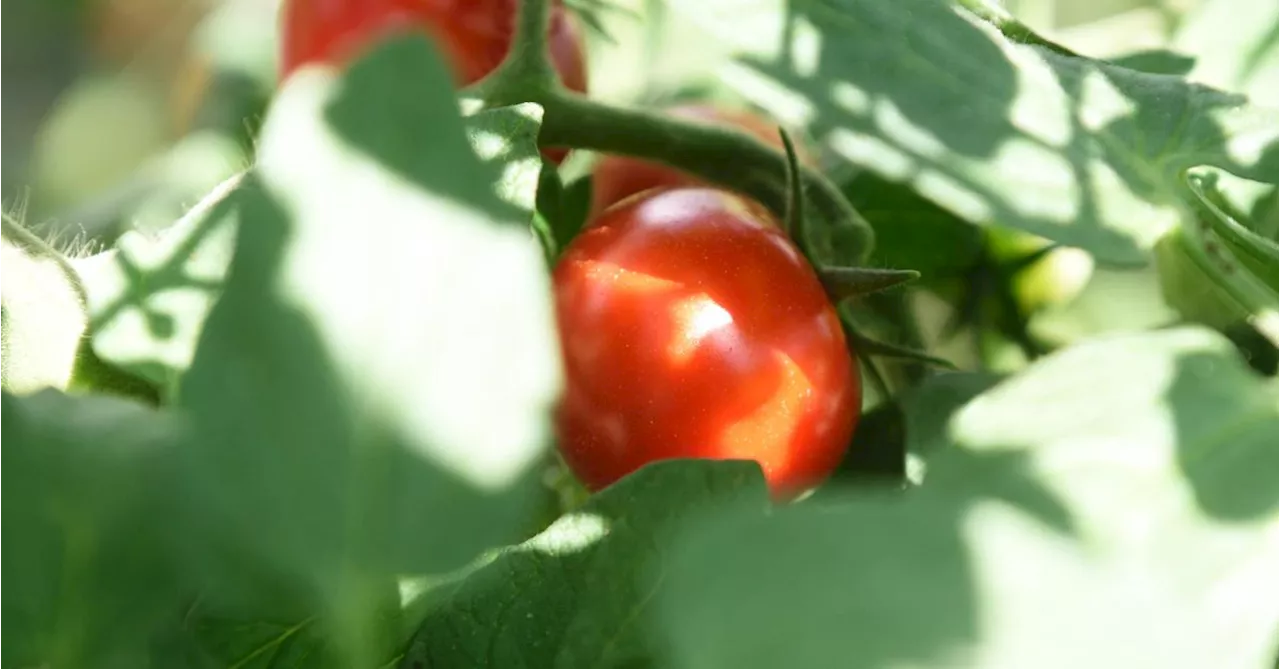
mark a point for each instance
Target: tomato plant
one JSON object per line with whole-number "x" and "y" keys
{"x": 339, "y": 371}
{"x": 618, "y": 176}
{"x": 692, "y": 327}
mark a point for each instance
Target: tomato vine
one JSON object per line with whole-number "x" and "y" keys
{"x": 721, "y": 156}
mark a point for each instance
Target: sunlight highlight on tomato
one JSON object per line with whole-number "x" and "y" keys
{"x": 691, "y": 326}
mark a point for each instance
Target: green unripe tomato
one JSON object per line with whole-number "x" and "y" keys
{"x": 1054, "y": 280}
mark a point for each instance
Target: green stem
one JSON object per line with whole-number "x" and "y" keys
{"x": 720, "y": 155}
{"x": 527, "y": 66}
{"x": 529, "y": 49}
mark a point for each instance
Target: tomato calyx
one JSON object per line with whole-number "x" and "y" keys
{"x": 868, "y": 347}
{"x": 794, "y": 219}
{"x": 845, "y": 283}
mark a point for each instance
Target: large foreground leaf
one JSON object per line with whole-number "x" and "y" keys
{"x": 149, "y": 296}
{"x": 1114, "y": 506}
{"x": 88, "y": 526}
{"x": 369, "y": 393}
{"x": 580, "y": 593}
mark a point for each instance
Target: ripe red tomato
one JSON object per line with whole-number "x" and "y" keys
{"x": 691, "y": 326}
{"x": 474, "y": 35}
{"x": 616, "y": 177}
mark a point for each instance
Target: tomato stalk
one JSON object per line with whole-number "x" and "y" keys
{"x": 843, "y": 283}
{"x": 869, "y": 348}
{"x": 721, "y": 156}
{"x": 527, "y": 67}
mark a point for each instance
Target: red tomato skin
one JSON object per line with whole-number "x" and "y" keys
{"x": 692, "y": 327}
{"x": 474, "y": 35}
{"x": 617, "y": 177}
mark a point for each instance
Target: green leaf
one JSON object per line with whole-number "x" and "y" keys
{"x": 1113, "y": 506}
{"x": 369, "y": 396}
{"x": 579, "y": 594}
{"x": 1112, "y": 301}
{"x": 1077, "y": 151}
{"x": 42, "y": 313}
{"x": 1235, "y": 44}
{"x": 214, "y": 639}
{"x": 87, "y": 527}
{"x": 92, "y": 374}
{"x": 912, "y": 232}
{"x": 1181, "y": 399}
{"x": 506, "y": 138}
{"x": 564, "y": 206}
{"x": 247, "y": 644}
{"x": 1156, "y": 61}
{"x": 549, "y": 216}
{"x": 149, "y": 296}
{"x": 929, "y": 406}
{"x": 894, "y": 441}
